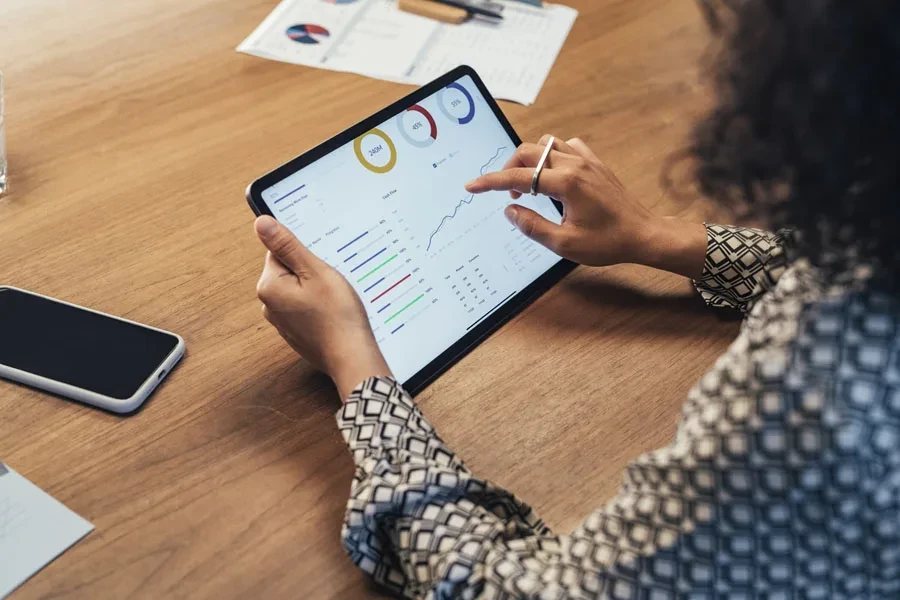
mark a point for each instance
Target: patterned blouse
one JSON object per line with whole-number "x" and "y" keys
{"x": 782, "y": 481}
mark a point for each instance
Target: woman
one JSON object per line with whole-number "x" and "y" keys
{"x": 783, "y": 480}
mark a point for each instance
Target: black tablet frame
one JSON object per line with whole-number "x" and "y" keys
{"x": 493, "y": 321}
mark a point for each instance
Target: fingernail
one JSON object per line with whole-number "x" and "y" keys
{"x": 267, "y": 226}
{"x": 512, "y": 214}
{"x": 470, "y": 185}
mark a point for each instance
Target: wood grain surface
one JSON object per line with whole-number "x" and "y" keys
{"x": 133, "y": 129}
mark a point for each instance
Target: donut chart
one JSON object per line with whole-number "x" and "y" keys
{"x": 307, "y": 33}
{"x": 453, "y": 101}
{"x": 417, "y": 126}
{"x": 375, "y": 151}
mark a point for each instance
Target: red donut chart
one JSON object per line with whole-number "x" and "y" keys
{"x": 428, "y": 117}
{"x": 408, "y": 136}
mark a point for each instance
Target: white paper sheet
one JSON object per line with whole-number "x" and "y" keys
{"x": 34, "y": 529}
{"x": 377, "y": 39}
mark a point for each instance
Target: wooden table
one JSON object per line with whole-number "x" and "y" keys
{"x": 133, "y": 128}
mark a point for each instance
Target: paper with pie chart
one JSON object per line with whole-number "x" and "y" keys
{"x": 390, "y": 212}
{"x": 376, "y": 39}
{"x": 361, "y": 36}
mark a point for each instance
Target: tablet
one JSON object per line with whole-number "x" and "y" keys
{"x": 438, "y": 269}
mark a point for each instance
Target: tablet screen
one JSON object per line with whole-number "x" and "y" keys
{"x": 390, "y": 212}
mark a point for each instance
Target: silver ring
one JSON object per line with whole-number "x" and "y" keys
{"x": 535, "y": 180}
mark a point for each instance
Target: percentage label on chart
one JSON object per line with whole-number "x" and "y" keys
{"x": 417, "y": 126}
{"x": 457, "y": 103}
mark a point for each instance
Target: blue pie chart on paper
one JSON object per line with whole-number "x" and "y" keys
{"x": 307, "y": 34}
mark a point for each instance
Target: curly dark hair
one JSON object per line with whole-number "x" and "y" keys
{"x": 807, "y": 124}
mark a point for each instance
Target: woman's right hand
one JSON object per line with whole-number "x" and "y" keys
{"x": 602, "y": 223}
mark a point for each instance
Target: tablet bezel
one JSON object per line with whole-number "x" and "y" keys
{"x": 493, "y": 321}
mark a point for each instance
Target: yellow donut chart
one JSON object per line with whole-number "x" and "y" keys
{"x": 364, "y": 161}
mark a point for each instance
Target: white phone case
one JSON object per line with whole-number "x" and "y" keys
{"x": 87, "y": 396}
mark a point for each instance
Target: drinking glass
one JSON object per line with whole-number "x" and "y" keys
{"x": 2, "y": 142}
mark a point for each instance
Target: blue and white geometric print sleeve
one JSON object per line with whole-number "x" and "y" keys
{"x": 782, "y": 480}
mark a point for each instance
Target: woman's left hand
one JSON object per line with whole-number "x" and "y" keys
{"x": 316, "y": 310}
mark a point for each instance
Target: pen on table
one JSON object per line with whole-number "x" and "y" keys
{"x": 473, "y": 8}
{"x": 537, "y": 3}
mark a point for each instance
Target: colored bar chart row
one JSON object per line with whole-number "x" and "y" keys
{"x": 387, "y": 291}
{"x": 376, "y": 269}
{"x": 405, "y": 308}
{"x": 368, "y": 260}
{"x": 351, "y": 242}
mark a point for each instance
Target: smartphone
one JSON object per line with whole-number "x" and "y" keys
{"x": 82, "y": 354}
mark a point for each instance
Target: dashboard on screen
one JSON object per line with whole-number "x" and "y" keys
{"x": 389, "y": 210}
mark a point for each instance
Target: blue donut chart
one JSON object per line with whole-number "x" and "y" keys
{"x": 444, "y": 109}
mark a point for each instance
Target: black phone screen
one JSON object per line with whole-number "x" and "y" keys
{"x": 78, "y": 347}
